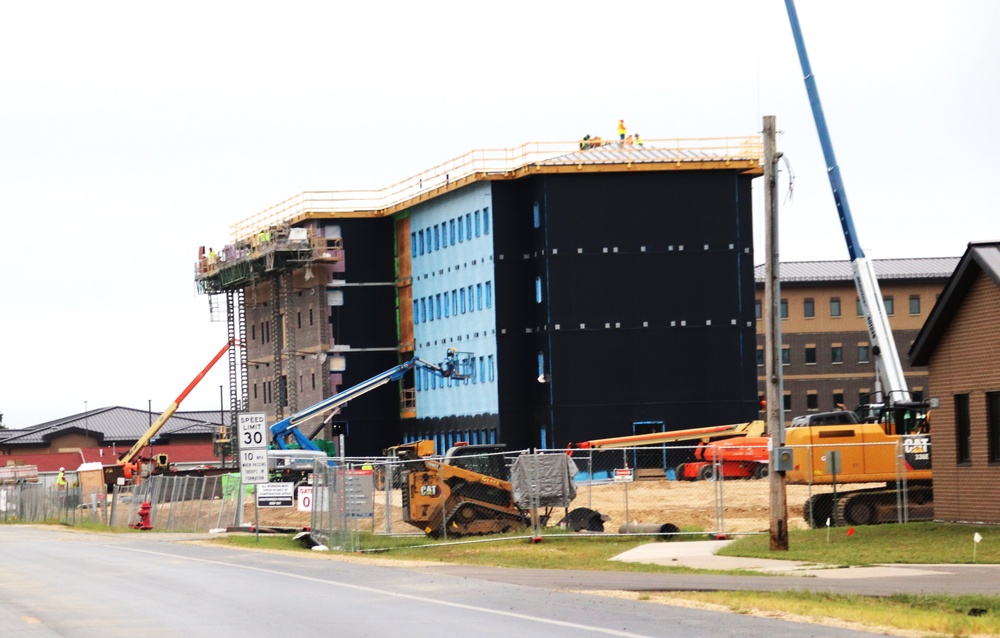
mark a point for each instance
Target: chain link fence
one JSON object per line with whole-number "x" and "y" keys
{"x": 663, "y": 492}
{"x": 183, "y": 503}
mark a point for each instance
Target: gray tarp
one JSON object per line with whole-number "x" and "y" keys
{"x": 550, "y": 476}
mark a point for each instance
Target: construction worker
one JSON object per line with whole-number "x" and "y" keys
{"x": 621, "y": 129}
{"x": 61, "y": 479}
{"x": 638, "y": 140}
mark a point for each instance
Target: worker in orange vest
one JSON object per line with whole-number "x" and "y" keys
{"x": 621, "y": 129}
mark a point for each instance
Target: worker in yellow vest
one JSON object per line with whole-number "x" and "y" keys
{"x": 621, "y": 129}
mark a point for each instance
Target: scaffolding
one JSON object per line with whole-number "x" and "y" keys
{"x": 225, "y": 276}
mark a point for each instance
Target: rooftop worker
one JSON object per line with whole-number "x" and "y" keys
{"x": 629, "y": 140}
{"x": 585, "y": 142}
{"x": 638, "y": 140}
{"x": 621, "y": 129}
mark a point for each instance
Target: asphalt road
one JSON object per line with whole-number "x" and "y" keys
{"x": 56, "y": 582}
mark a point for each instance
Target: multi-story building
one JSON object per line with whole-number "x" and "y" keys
{"x": 594, "y": 292}
{"x": 826, "y": 351}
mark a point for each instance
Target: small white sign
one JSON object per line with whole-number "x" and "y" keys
{"x": 276, "y": 495}
{"x": 624, "y": 475}
{"x": 305, "y": 498}
{"x": 253, "y": 467}
{"x": 252, "y": 431}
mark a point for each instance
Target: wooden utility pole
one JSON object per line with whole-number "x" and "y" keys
{"x": 772, "y": 339}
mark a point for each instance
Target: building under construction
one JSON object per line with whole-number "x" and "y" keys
{"x": 600, "y": 291}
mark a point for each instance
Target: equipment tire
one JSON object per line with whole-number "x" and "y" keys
{"x": 860, "y": 511}
{"x": 679, "y": 472}
{"x": 761, "y": 471}
{"x": 707, "y": 473}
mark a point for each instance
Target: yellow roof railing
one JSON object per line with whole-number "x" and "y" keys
{"x": 743, "y": 153}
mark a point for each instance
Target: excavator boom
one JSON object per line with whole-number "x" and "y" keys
{"x": 144, "y": 440}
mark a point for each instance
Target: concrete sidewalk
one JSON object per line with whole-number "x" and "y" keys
{"x": 702, "y": 555}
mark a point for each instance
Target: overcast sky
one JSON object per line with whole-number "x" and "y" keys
{"x": 132, "y": 133}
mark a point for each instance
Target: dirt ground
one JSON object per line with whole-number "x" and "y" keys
{"x": 745, "y": 506}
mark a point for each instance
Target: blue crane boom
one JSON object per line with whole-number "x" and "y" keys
{"x": 887, "y": 360}
{"x": 454, "y": 366}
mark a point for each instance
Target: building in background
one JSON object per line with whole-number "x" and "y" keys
{"x": 188, "y": 439}
{"x": 826, "y": 352}
{"x": 600, "y": 290}
{"x": 960, "y": 345}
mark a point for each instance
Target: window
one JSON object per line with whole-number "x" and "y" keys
{"x": 253, "y": 330}
{"x": 416, "y": 311}
{"x": 451, "y": 231}
{"x": 993, "y": 425}
{"x": 760, "y": 356}
{"x": 838, "y": 398}
{"x": 541, "y": 365}
{"x": 479, "y": 296}
{"x": 914, "y": 304}
{"x": 482, "y": 369}
{"x": 437, "y": 237}
{"x": 437, "y": 306}
{"x": 757, "y": 311}
{"x": 413, "y": 243}
{"x": 310, "y": 316}
{"x": 810, "y": 355}
{"x": 486, "y": 221}
{"x": 476, "y": 214}
{"x": 784, "y": 309}
{"x": 787, "y": 402}
{"x": 298, "y": 319}
{"x": 862, "y": 353}
{"x": 538, "y": 290}
{"x": 461, "y": 293}
{"x": 468, "y": 226}
{"x": 461, "y": 235}
{"x": 809, "y": 308}
{"x": 454, "y": 302}
{"x": 834, "y": 306}
{"x": 890, "y": 305}
{"x": 812, "y": 402}
{"x": 489, "y": 294}
{"x": 836, "y": 354}
{"x": 963, "y": 427}
{"x": 537, "y": 217}
{"x": 423, "y": 310}
{"x": 490, "y": 367}
{"x": 857, "y": 303}
{"x": 421, "y": 238}
{"x": 786, "y": 355}
{"x": 472, "y": 303}
{"x": 447, "y": 305}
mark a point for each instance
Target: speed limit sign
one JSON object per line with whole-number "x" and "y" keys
{"x": 252, "y": 431}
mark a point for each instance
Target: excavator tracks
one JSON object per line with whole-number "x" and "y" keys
{"x": 470, "y": 519}
{"x": 868, "y": 507}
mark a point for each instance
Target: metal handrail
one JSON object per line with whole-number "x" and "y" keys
{"x": 484, "y": 162}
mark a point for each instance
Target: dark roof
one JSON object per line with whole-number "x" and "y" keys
{"x": 113, "y": 425}
{"x": 979, "y": 257}
{"x": 885, "y": 269}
